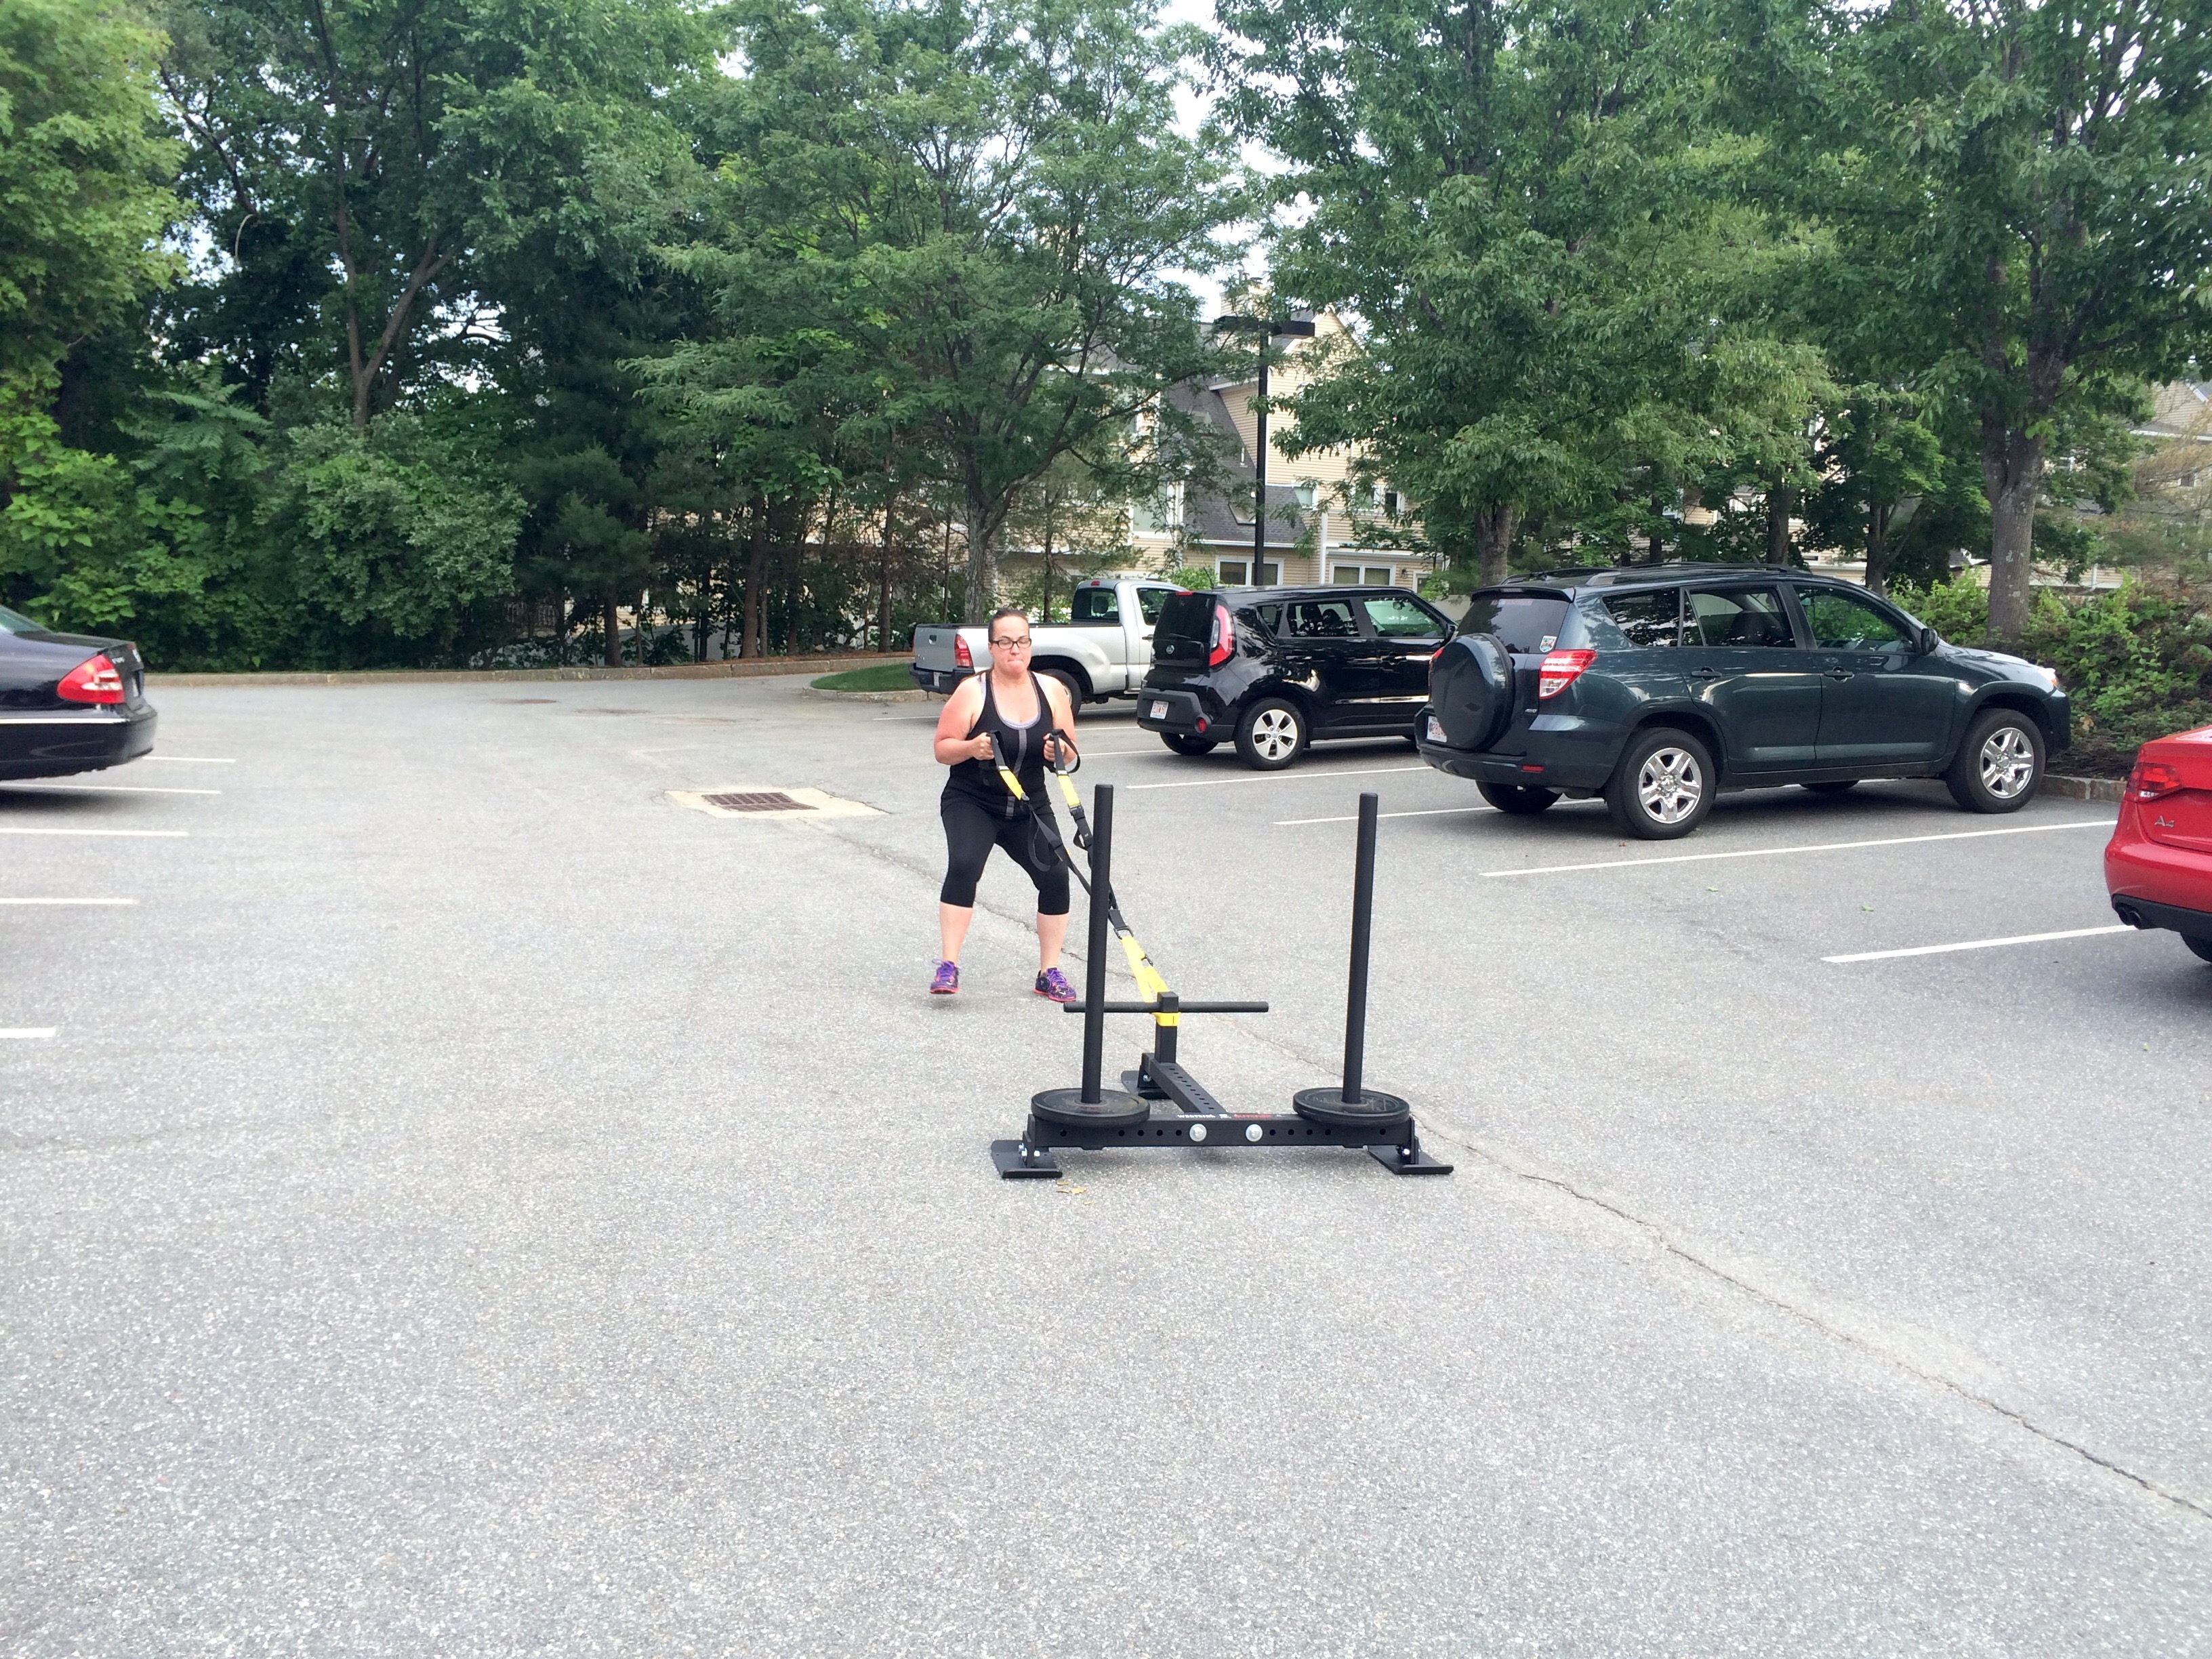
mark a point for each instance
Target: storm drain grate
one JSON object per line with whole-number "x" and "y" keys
{"x": 761, "y": 800}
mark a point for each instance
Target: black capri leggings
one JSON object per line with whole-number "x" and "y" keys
{"x": 972, "y": 829}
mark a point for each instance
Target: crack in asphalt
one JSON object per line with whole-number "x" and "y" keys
{"x": 1659, "y": 1236}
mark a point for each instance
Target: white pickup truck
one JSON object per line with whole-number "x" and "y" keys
{"x": 1104, "y": 653}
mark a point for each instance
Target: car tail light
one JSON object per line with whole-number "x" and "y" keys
{"x": 961, "y": 654}
{"x": 93, "y": 680}
{"x": 1223, "y": 645}
{"x": 2150, "y": 779}
{"x": 1559, "y": 670}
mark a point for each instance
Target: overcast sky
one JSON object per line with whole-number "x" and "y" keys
{"x": 1195, "y": 108}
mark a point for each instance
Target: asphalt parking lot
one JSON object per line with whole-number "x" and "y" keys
{"x": 457, "y": 1200}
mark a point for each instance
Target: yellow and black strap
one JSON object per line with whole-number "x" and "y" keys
{"x": 1148, "y": 978}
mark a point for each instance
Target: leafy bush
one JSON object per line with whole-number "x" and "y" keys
{"x": 2136, "y": 663}
{"x": 1196, "y": 577}
{"x": 1958, "y": 609}
{"x": 531, "y": 652}
{"x": 396, "y": 527}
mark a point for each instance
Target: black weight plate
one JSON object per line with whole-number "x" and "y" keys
{"x": 1372, "y": 1110}
{"x": 1112, "y": 1109}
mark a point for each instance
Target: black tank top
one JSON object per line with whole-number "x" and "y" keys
{"x": 1022, "y": 745}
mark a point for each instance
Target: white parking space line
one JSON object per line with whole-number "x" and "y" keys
{"x": 66, "y": 901}
{"x": 142, "y": 835}
{"x": 32, "y": 1032}
{"x": 1425, "y": 812}
{"x": 108, "y": 788}
{"x": 192, "y": 760}
{"x": 1273, "y": 777}
{"x": 1817, "y": 846}
{"x": 1980, "y": 944}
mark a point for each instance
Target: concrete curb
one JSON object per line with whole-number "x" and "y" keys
{"x": 2110, "y": 789}
{"x": 744, "y": 669}
{"x": 916, "y": 695}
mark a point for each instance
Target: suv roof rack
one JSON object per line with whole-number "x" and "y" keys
{"x": 1615, "y": 575}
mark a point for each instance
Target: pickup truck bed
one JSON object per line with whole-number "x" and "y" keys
{"x": 1104, "y": 653}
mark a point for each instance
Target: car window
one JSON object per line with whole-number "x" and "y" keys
{"x": 1845, "y": 621}
{"x": 1186, "y": 625}
{"x": 1647, "y": 619}
{"x": 1095, "y": 606}
{"x": 12, "y": 622}
{"x": 1271, "y": 618}
{"x": 1524, "y": 623}
{"x": 1395, "y": 617}
{"x": 1322, "y": 619}
{"x": 1739, "y": 616}
{"x": 1150, "y": 599}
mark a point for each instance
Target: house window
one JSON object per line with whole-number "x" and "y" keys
{"x": 1353, "y": 575}
{"x": 1390, "y": 503}
{"x": 1231, "y": 572}
{"x": 1157, "y": 515}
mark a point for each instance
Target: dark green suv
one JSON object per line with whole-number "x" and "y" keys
{"x": 1658, "y": 686}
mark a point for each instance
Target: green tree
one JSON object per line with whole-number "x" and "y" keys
{"x": 1512, "y": 200}
{"x": 2027, "y": 184}
{"x": 985, "y": 200}
{"x": 84, "y": 165}
{"x": 378, "y": 158}
{"x": 83, "y": 209}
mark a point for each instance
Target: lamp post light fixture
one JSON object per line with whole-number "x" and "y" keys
{"x": 1269, "y": 329}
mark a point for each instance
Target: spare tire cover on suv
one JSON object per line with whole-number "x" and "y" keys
{"x": 1472, "y": 691}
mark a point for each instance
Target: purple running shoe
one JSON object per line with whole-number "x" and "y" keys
{"x": 947, "y": 981}
{"x": 1053, "y": 983}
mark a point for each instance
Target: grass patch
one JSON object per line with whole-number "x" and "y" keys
{"x": 883, "y": 677}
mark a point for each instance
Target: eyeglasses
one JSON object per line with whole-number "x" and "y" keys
{"x": 1023, "y": 642}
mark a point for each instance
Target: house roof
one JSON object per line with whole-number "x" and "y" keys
{"x": 2181, "y": 409}
{"x": 1214, "y": 517}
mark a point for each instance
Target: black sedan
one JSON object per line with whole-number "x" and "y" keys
{"x": 69, "y": 703}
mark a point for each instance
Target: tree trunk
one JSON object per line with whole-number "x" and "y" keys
{"x": 982, "y": 587}
{"x": 2012, "y": 470}
{"x": 753, "y": 638}
{"x": 1047, "y": 583}
{"x": 613, "y": 654}
{"x": 884, "y": 580}
{"x": 1493, "y": 541}
{"x": 1779, "y": 499}
{"x": 794, "y": 554}
{"x": 1877, "y": 547}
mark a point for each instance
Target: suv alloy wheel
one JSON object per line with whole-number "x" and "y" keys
{"x": 1999, "y": 765}
{"x": 1664, "y": 785}
{"x": 1272, "y": 734}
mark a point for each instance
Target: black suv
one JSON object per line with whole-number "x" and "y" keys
{"x": 1658, "y": 685}
{"x": 1276, "y": 668}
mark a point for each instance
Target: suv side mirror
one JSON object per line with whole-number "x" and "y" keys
{"x": 1929, "y": 639}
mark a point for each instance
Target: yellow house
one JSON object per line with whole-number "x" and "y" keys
{"x": 1320, "y": 527}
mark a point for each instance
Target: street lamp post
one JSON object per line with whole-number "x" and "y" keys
{"x": 1268, "y": 330}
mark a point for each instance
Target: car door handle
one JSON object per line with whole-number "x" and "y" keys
{"x": 1839, "y": 673}
{"x": 1704, "y": 673}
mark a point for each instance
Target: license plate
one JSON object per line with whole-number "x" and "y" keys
{"x": 1159, "y": 712}
{"x": 1436, "y": 730}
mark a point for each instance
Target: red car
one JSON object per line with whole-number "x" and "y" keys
{"x": 2158, "y": 865}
